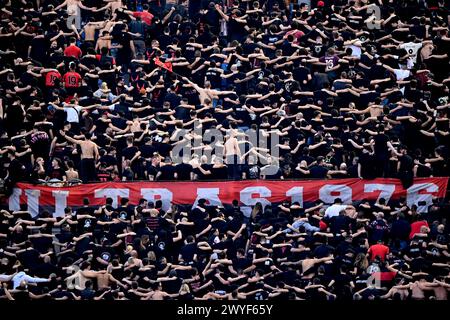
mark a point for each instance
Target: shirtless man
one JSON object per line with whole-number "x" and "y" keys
{"x": 374, "y": 110}
{"x": 401, "y": 290}
{"x": 103, "y": 41}
{"x": 104, "y": 278}
{"x": 113, "y": 5}
{"x": 89, "y": 154}
{"x": 135, "y": 124}
{"x": 440, "y": 289}
{"x": 232, "y": 155}
{"x": 74, "y": 10}
{"x": 418, "y": 287}
{"x": 133, "y": 261}
{"x": 89, "y": 33}
{"x": 207, "y": 92}
{"x": 308, "y": 271}
{"x": 158, "y": 294}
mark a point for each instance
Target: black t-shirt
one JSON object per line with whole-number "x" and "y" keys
{"x": 406, "y": 163}
{"x": 129, "y": 152}
{"x": 251, "y": 171}
{"x": 56, "y": 173}
{"x": 42, "y": 244}
{"x": 317, "y": 171}
{"x": 218, "y": 173}
{"x": 105, "y": 253}
{"x": 182, "y": 113}
{"x": 183, "y": 171}
{"x": 147, "y": 151}
{"x": 85, "y": 224}
{"x": 62, "y": 294}
{"x": 167, "y": 172}
{"x": 163, "y": 148}
{"x": 381, "y": 149}
{"x": 30, "y": 258}
{"x": 341, "y": 282}
{"x": 367, "y": 164}
{"x": 109, "y": 160}
{"x": 46, "y": 269}
{"x": 64, "y": 237}
{"x": 188, "y": 251}
{"x": 172, "y": 286}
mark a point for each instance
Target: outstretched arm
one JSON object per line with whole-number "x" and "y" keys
{"x": 30, "y": 279}
{"x": 222, "y": 14}
{"x": 69, "y": 138}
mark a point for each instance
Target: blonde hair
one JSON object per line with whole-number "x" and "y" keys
{"x": 184, "y": 288}
{"x": 151, "y": 256}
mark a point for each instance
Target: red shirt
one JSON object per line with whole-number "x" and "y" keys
{"x": 72, "y": 79}
{"x": 99, "y": 58}
{"x": 146, "y": 16}
{"x": 73, "y": 51}
{"x": 384, "y": 276}
{"x": 378, "y": 250}
{"x": 416, "y": 226}
{"x": 297, "y": 34}
{"x": 50, "y": 78}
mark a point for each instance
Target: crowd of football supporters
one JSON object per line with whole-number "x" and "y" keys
{"x": 113, "y": 90}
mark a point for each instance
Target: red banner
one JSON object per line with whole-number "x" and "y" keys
{"x": 247, "y": 192}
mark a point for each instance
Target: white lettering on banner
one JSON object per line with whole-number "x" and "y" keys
{"x": 345, "y": 193}
{"x": 424, "y": 190}
{"x": 33, "y": 201}
{"x": 112, "y": 193}
{"x": 60, "y": 201}
{"x": 296, "y": 194}
{"x": 414, "y": 197}
{"x": 387, "y": 190}
{"x": 14, "y": 199}
{"x": 166, "y": 196}
{"x": 211, "y": 195}
{"x": 246, "y": 195}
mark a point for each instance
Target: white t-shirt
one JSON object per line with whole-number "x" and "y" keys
{"x": 401, "y": 74}
{"x": 412, "y": 48}
{"x": 72, "y": 113}
{"x": 356, "y": 51}
{"x": 333, "y": 210}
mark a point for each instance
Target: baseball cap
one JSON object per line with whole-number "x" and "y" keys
{"x": 320, "y": 3}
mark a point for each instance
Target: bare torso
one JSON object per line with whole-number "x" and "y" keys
{"x": 89, "y": 32}
{"x": 157, "y": 295}
{"x": 440, "y": 293}
{"x": 103, "y": 42}
{"x": 231, "y": 147}
{"x": 375, "y": 111}
{"x": 404, "y": 293}
{"x": 417, "y": 291}
{"x": 135, "y": 126}
{"x": 88, "y": 149}
{"x": 116, "y": 5}
{"x": 71, "y": 174}
{"x": 307, "y": 264}
{"x": 103, "y": 280}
